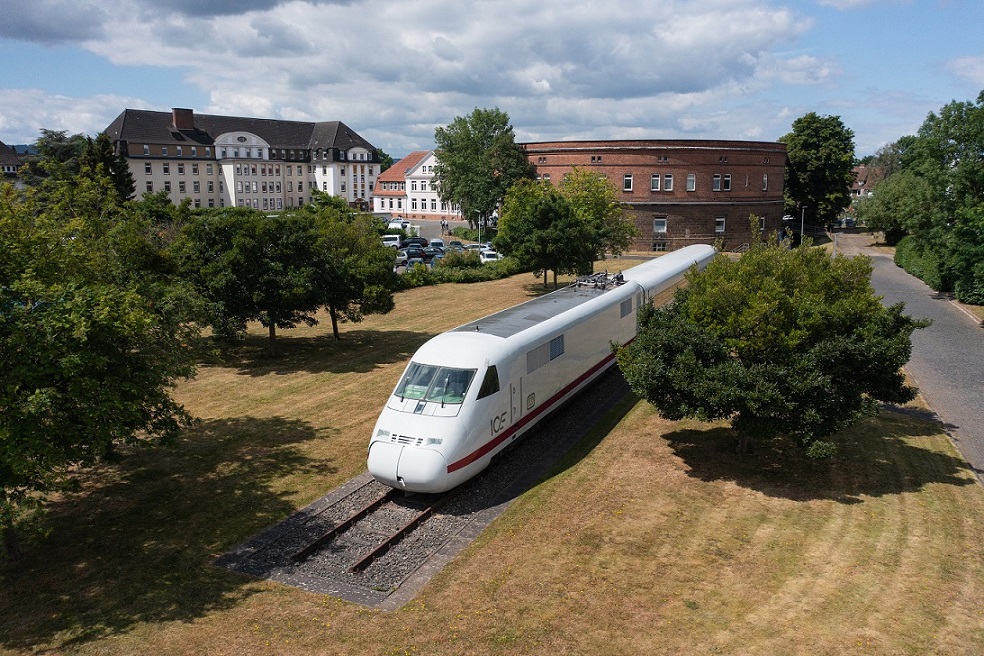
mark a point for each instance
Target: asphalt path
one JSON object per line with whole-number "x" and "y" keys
{"x": 947, "y": 362}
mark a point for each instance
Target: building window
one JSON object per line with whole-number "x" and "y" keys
{"x": 167, "y": 168}
{"x": 716, "y": 186}
{"x": 343, "y": 186}
{"x": 194, "y": 168}
{"x": 208, "y": 151}
{"x": 181, "y": 187}
{"x": 150, "y": 187}
{"x": 163, "y": 151}
{"x": 324, "y": 186}
{"x": 765, "y": 182}
{"x": 196, "y": 187}
{"x": 668, "y": 182}
{"x": 719, "y": 225}
{"x": 146, "y": 149}
{"x": 654, "y": 182}
{"x": 179, "y": 151}
{"x": 290, "y": 186}
{"x": 659, "y": 246}
{"x": 727, "y": 182}
{"x": 762, "y": 224}
{"x": 194, "y": 151}
{"x": 167, "y": 186}
{"x": 148, "y": 168}
{"x": 208, "y": 169}
{"x": 659, "y": 225}
{"x": 691, "y": 182}
{"x": 211, "y": 187}
{"x": 627, "y": 182}
{"x": 181, "y": 169}
{"x": 239, "y": 187}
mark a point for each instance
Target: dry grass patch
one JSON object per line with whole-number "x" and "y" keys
{"x": 652, "y": 537}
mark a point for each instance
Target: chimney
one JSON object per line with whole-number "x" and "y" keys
{"x": 184, "y": 119}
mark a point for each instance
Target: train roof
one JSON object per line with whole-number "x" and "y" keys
{"x": 518, "y": 318}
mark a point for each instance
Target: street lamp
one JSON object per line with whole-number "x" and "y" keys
{"x": 802, "y": 224}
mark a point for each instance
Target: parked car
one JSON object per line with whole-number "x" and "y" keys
{"x": 488, "y": 255}
{"x": 401, "y": 258}
{"x": 474, "y": 247}
{"x": 414, "y": 252}
{"x": 419, "y": 242}
{"x": 455, "y": 245}
{"x": 437, "y": 243}
{"x": 432, "y": 253}
{"x": 391, "y": 240}
{"x": 398, "y": 225}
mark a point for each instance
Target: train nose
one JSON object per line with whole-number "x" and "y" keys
{"x": 408, "y": 468}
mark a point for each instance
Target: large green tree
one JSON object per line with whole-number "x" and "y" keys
{"x": 819, "y": 167}
{"x": 596, "y": 202}
{"x": 478, "y": 160}
{"x": 254, "y": 267}
{"x": 780, "y": 341}
{"x": 356, "y": 276}
{"x": 936, "y": 199}
{"x": 541, "y": 230}
{"x": 94, "y": 333}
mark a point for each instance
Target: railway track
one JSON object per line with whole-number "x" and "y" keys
{"x": 372, "y": 523}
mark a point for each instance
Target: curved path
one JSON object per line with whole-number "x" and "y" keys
{"x": 947, "y": 362}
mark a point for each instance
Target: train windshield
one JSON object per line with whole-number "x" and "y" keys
{"x": 443, "y": 385}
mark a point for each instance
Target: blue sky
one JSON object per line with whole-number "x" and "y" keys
{"x": 394, "y": 70}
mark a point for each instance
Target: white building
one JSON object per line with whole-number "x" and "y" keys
{"x": 407, "y": 190}
{"x": 224, "y": 161}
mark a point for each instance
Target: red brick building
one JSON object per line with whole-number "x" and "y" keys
{"x": 681, "y": 192}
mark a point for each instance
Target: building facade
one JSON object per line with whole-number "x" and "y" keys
{"x": 681, "y": 192}
{"x": 230, "y": 161}
{"x": 10, "y": 163}
{"x": 407, "y": 190}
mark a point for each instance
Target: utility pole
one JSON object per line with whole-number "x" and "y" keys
{"x": 802, "y": 224}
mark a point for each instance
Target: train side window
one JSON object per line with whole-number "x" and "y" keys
{"x": 490, "y": 384}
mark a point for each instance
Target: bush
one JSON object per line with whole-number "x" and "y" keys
{"x": 923, "y": 264}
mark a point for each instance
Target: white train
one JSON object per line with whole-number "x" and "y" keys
{"x": 468, "y": 393}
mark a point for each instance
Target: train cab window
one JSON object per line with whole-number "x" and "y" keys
{"x": 490, "y": 384}
{"x": 444, "y": 385}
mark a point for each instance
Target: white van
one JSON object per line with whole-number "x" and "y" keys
{"x": 398, "y": 225}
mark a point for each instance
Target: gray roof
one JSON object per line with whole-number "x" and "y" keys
{"x": 513, "y": 320}
{"x": 8, "y": 157}
{"x": 143, "y": 126}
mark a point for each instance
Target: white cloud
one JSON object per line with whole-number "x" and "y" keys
{"x": 968, "y": 68}
{"x": 395, "y": 70}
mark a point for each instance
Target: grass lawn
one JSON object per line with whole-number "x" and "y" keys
{"x": 650, "y": 538}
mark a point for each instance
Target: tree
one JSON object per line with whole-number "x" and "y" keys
{"x": 541, "y": 230}
{"x": 903, "y": 204}
{"x": 478, "y": 160}
{"x": 356, "y": 276}
{"x": 254, "y": 267}
{"x": 819, "y": 167}
{"x": 385, "y": 160}
{"x": 99, "y": 151}
{"x": 781, "y": 341}
{"x": 90, "y": 345}
{"x": 938, "y": 200}
{"x": 596, "y": 202}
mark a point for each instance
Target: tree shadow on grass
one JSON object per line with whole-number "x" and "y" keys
{"x": 136, "y": 545}
{"x": 359, "y": 351}
{"x": 879, "y": 456}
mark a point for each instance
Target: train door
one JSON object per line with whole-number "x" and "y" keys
{"x": 516, "y": 401}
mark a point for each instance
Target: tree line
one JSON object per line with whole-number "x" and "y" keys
{"x": 103, "y": 299}
{"x": 930, "y": 200}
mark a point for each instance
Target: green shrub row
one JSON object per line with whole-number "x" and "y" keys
{"x": 923, "y": 264}
{"x": 420, "y": 275}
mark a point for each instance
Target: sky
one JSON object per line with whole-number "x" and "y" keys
{"x": 394, "y": 70}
